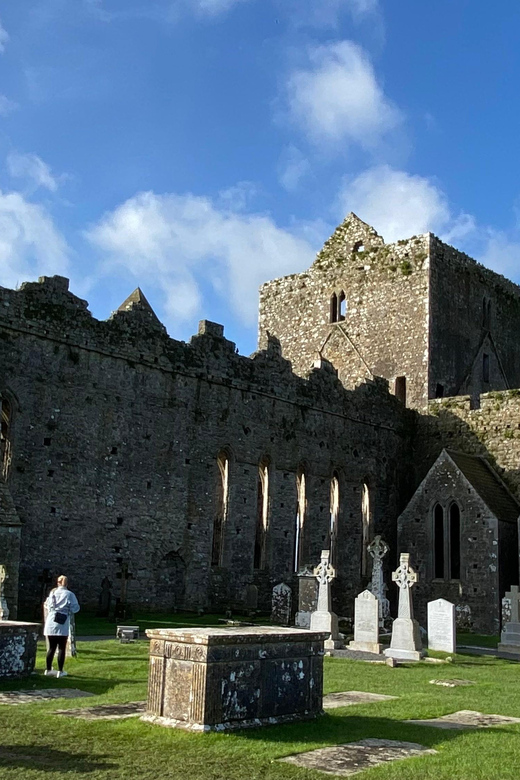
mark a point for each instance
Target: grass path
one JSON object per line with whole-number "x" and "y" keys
{"x": 36, "y": 744}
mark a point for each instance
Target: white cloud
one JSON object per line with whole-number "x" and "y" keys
{"x": 7, "y": 106}
{"x": 4, "y": 37}
{"x": 396, "y": 203}
{"x": 293, "y": 168}
{"x": 33, "y": 168}
{"x": 329, "y": 13}
{"x": 337, "y": 99}
{"x": 502, "y": 253}
{"x": 30, "y": 245}
{"x": 214, "y": 7}
{"x": 173, "y": 240}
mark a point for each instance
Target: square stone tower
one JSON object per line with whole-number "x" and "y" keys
{"x": 417, "y": 312}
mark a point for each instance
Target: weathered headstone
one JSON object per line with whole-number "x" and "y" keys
{"x": 366, "y": 624}
{"x": 377, "y": 550}
{"x": 281, "y": 605}
{"x": 122, "y": 611}
{"x": 105, "y": 598}
{"x": 251, "y": 598}
{"x": 307, "y": 597}
{"x": 4, "y": 609}
{"x": 406, "y": 642}
{"x": 441, "y": 626}
{"x": 323, "y": 618}
{"x": 509, "y": 645}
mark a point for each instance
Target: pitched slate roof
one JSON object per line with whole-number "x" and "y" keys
{"x": 488, "y": 485}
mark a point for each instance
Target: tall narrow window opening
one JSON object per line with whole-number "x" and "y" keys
{"x": 300, "y": 521}
{"x": 262, "y": 515}
{"x": 484, "y": 313}
{"x": 400, "y": 389}
{"x": 342, "y": 307}
{"x": 5, "y": 437}
{"x": 438, "y": 542}
{"x": 334, "y": 308}
{"x": 485, "y": 367}
{"x": 454, "y": 573}
{"x": 219, "y": 522}
{"x": 367, "y": 530}
{"x": 334, "y": 517}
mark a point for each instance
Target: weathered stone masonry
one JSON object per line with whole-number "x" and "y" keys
{"x": 115, "y": 434}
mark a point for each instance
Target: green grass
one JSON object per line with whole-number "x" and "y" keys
{"x": 36, "y": 745}
{"x": 477, "y": 640}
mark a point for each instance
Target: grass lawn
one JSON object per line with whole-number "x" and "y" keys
{"x": 38, "y": 745}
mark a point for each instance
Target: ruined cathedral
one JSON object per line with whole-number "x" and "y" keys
{"x": 383, "y": 399}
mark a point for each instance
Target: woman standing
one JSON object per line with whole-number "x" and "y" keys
{"x": 60, "y": 605}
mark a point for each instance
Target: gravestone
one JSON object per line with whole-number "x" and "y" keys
{"x": 509, "y": 645}
{"x": 45, "y": 579}
{"x": 281, "y": 604}
{"x": 441, "y": 626}
{"x": 323, "y": 618}
{"x": 251, "y": 598}
{"x": 307, "y": 597}
{"x": 377, "y": 550}
{"x": 105, "y": 598}
{"x": 406, "y": 642}
{"x": 4, "y": 609}
{"x": 366, "y": 624}
{"x": 17, "y": 648}
{"x": 122, "y": 611}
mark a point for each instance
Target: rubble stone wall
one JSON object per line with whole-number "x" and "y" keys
{"x": 115, "y": 439}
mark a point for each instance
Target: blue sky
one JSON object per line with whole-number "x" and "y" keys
{"x": 197, "y": 148}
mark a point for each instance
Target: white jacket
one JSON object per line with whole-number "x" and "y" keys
{"x": 59, "y": 600}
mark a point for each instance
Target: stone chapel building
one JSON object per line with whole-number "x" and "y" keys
{"x": 382, "y": 392}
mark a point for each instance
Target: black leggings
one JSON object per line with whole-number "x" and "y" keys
{"x": 54, "y": 642}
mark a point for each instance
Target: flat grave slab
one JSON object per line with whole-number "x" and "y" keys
{"x": 354, "y": 757}
{"x": 466, "y": 719}
{"x": 451, "y": 683}
{"x": 46, "y": 694}
{"x": 348, "y": 698}
{"x": 105, "y": 711}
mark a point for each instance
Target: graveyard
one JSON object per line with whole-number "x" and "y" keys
{"x": 39, "y": 743}
{"x": 222, "y": 697}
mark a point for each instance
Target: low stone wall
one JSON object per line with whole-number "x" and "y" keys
{"x": 17, "y": 648}
{"x": 213, "y": 679}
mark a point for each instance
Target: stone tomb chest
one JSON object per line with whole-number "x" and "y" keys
{"x": 223, "y": 678}
{"x": 17, "y": 647}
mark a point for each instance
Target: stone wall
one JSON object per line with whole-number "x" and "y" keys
{"x": 477, "y": 590}
{"x": 115, "y": 436}
{"x": 493, "y": 430}
{"x": 473, "y": 311}
{"x": 385, "y": 330}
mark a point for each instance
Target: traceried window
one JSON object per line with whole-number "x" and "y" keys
{"x": 219, "y": 522}
{"x": 334, "y": 517}
{"x": 438, "y": 542}
{"x": 454, "y": 542}
{"x": 262, "y": 515}
{"x": 342, "y": 307}
{"x": 366, "y": 528}
{"x": 446, "y": 542}
{"x": 301, "y": 510}
{"x": 338, "y": 307}
{"x": 334, "y": 308}
{"x": 5, "y": 436}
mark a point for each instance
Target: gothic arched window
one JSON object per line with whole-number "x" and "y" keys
{"x": 262, "y": 515}
{"x": 334, "y": 517}
{"x": 5, "y": 435}
{"x": 219, "y": 521}
{"x": 301, "y": 509}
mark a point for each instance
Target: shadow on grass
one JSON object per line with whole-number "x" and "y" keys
{"x": 51, "y": 760}
{"x": 95, "y": 685}
{"x": 339, "y": 729}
